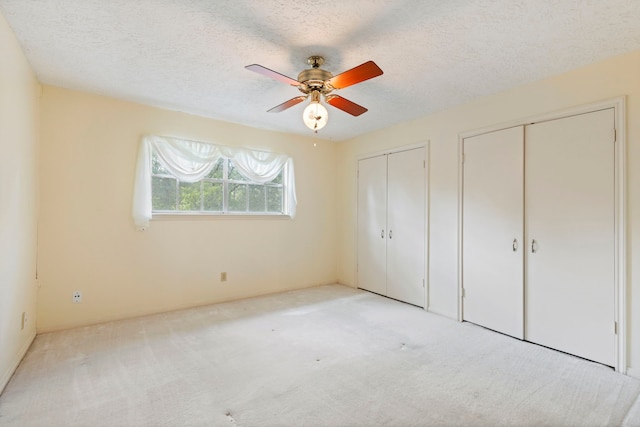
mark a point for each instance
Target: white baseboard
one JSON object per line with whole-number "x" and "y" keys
{"x": 635, "y": 373}
{"x": 6, "y": 376}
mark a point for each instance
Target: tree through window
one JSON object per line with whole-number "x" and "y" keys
{"x": 223, "y": 190}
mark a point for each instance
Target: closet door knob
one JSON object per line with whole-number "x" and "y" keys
{"x": 390, "y": 234}
{"x": 382, "y": 233}
{"x": 534, "y": 246}
{"x": 514, "y": 245}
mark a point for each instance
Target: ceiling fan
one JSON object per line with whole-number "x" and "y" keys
{"x": 316, "y": 82}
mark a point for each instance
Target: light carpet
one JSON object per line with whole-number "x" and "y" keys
{"x": 325, "y": 356}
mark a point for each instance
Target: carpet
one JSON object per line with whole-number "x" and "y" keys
{"x": 324, "y": 356}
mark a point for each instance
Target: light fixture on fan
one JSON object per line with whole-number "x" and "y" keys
{"x": 314, "y": 82}
{"x": 315, "y": 116}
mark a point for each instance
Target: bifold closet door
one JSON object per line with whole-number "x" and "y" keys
{"x": 569, "y": 196}
{"x": 406, "y": 222}
{"x": 372, "y": 224}
{"x": 492, "y": 241}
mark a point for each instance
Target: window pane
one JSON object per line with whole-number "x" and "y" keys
{"x": 234, "y": 174}
{"x": 212, "y": 195}
{"x": 217, "y": 171}
{"x": 156, "y": 167}
{"x": 256, "y": 198}
{"x": 278, "y": 179}
{"x": 189, "y": 196}
{"x": 223, "y": 190}
{"x": 237, "y": 197}
{"x": 274, "y": 199}
{"x": 163, "y": 192}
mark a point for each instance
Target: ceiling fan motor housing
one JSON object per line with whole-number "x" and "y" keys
{"x": 314, "y": 79}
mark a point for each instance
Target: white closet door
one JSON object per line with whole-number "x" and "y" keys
{"x": 492, "y": 241}
{"x": 569, "y": 190}
{"x": 372, "y": 224}
{"x": 406, "y": 221}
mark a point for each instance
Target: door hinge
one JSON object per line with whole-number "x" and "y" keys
{"x": 464, "y": 294}
{"x": 615, "y": 135}
{"x": 615, "y": 328}
{"x": 462, "y": 157}
{"x": 423, "y": 283}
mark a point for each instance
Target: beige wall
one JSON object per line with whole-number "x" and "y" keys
{"x": 87, "y": 240}
{"x": 612, "y": 78}
{"x": 19, "y": 109}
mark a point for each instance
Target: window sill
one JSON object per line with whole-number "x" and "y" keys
{"x": 170, "y": 216}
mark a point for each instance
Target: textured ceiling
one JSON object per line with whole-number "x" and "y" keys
{"x": 189, "y": 55}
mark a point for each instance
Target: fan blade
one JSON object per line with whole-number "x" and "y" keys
{"x": 288, "y": 104}
{"x": 345, "y": 105}
{"x": 362, "y": 72}
{"x": 273, "y": 74}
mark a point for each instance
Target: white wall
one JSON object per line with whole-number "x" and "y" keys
{"x": 87, "y": 241}
{"x": 19, "y": 108}
{"x": 608, "y": 79}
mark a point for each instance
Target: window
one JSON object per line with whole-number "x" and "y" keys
{"x": 185, "y": 177}
{"x": 223, "y": 190}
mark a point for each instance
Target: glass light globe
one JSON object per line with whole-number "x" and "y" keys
{"x": 315, "y": 116}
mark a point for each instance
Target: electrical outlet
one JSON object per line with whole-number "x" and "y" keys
{"x": 24, "y": 320}
{"x": 223, "y": 276}
{"x": 77, "y": 297}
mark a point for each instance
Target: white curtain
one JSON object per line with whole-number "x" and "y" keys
{"x": 191, "y": 161}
